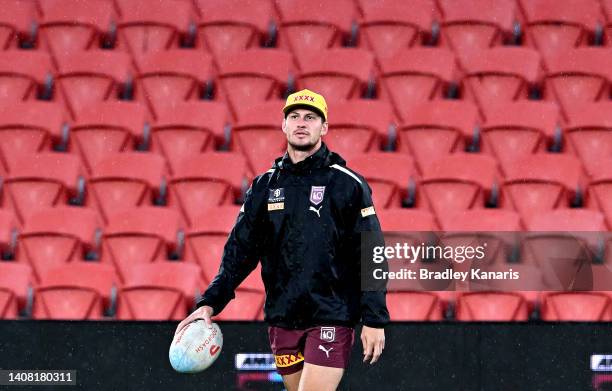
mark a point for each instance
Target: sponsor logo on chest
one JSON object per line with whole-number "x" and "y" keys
{"x": 276, "y": 199}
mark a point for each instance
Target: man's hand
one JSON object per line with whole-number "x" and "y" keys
{"x": 373, "y": 341}
{"x": 204, "y": 312}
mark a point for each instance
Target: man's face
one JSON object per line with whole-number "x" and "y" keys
{"x": 304, "y": 129}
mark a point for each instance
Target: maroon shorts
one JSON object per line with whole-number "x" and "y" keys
{"x": 328, "y": 346}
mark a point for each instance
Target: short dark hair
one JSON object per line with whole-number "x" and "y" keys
{"x": 306, "y": 107}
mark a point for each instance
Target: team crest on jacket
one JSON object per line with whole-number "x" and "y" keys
{"x": 316, "y": 194}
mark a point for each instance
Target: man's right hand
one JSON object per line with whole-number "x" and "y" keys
{"x": 204, "y": 312}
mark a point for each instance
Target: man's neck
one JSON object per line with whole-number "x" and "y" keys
{"x": 297, "y": 156}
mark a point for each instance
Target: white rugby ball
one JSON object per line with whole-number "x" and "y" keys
{"x": 195, "y": 347}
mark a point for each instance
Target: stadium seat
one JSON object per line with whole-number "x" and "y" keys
{"x": 578, "y": 76}
{"x": 607, "y": 12}
{"x": 258, "y": 135}
{"x": 15, "y": 289}
{"x": 105, "y": 128}
{"x": 86, "y": 78}
{"x": 230, "y": 27}
{"x": 9, "y": 229}
{"x": 42, "y": 180}
{"x": 206, "y": 180}
{"x": 158, "y": 291}
{"x": 358, "y": 126}
{"x": 499, "y": 75}
{"x": 415, "y": 76}
{"x": 388, "y": 28}
{"x": 24, "y": 75}
{"x": 470, "y": 25}
{"x": 457, "y": 182}
{"x": 168, "y": 77}
{"x": 514, "y": 130}
{"x": 391, "y": 177}
{"x": 254, "y": 75}
{"x": 16, "y": 21}
{"x": 491, "y": 307}
{"x": 599, "y": 192}
{"x": 76, "y": 291}
{"x": 414, "y": 306}
{"x": 27, "y": 128}
{"x": 157, "y": 26}
{"x": 577, "y": 307}
{"x": 247, "y": 305}
{"x": 141, "y": 235}
{"x": 188, "y": 129}
{"x": 555, "y": 26}
{"x": 406, "y": 220}
{"x": 577, "y": 220}
{"x": 589, "y": 133}
{"x": 309, "y": 27}
{"x": 56, "y": 236}
{"x": 343, "y": 74}
{"x": 69, "y": 26}
{"x": 431, "y": 130}
{"x": 540, "y": 182}
{"x": 481, "y": 220}
{"x": 122, "y": 181}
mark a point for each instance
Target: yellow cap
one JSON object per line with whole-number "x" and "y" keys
{"x": 306, "y": 98}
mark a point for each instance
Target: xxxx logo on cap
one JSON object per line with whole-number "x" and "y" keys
{"x": 307, "y": 98}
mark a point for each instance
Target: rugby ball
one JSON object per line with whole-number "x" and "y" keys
{"x": 195, "y": 347}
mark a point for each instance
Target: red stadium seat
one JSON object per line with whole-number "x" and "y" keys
{"x": 24, "y": 75}
{"x": 151, "y": 28}
{"x": 389, "y": 175}
{"x": 567, "y": 220}
{"x": 492, "y": 307}
{"x": 9, "y": 227}
{"x": 77, "y": 291}
{"x": 589, "y": 133}
{"x": 188, "y": 129}
{"x": 257, "y": 134}
{"x": 40, "y": 181}
{"x": 358, "y": 126}
{"x": 27, "y": 128}
{"x": 414, "y": 306}
{"x": 514, "y": 130}
{"x": 344, "y": 74}
{"x": 388, "y": 28}
{"x": 599, "y": 195}
{"x": 55, "y": 236}
{"x": 122, "y": 181}
{"x": 554, "y": 26}
{"x": 141, "y": 235}
{"x": 106, "y": 128}
{"x": 457, "y": 182}
{"x": 577, "y": 306}
{"x": 403, "y": 219}
{"x": 15, "y": 22}
{"x": 308, "y": 26}
{"x": 499, "y": 75}
{"x": 415, "y": 76}
{"x": 480, "y": 220}
{"x": 540, "y": 182}
{"x": 206, "y": 180}
{"x": 253, "y": 76}
{"x": 247, "y": 305}
{"x": 168, "y": 77}
{"x": 87, "y": 78}
{"x": 229, "y": 27}
{"x": 158, "y": 291}
{"x": 470, "y": 25}
{"x": 578, "y": 76}
{"x": 431, "y": 130}
{"x": 70, "y": 26}
{"x": 15, "y": 289}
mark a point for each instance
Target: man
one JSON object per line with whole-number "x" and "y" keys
{"x": 303, "y": 219}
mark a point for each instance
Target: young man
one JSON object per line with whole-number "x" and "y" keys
{"x": 303, "y": 219}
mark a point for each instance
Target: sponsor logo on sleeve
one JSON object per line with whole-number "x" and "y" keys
{"x": 365, "y": 212}
{"x": 276, "y": 195}
{"x": 277, "y": 206}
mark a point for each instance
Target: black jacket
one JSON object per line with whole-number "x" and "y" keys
{"x": 304, "y": 222}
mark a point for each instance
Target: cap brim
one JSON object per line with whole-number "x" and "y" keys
{"x": 290, "y": 108}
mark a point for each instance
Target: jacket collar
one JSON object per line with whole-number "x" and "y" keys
{"x": 322, "y": 158}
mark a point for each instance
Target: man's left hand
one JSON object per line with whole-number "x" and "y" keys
{"x": 373, "y": 341}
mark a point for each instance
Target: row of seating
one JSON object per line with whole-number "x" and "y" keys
{"x": 223, "y": 26}
{"x": 168, "y": 290}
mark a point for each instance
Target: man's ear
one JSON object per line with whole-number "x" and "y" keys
{"x": 284, "y": 125}
{"x": 324, "y": 129}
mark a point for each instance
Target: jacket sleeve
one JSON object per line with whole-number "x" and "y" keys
{"x": 367, "y": 234}
{"x": 240, "y": 254}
